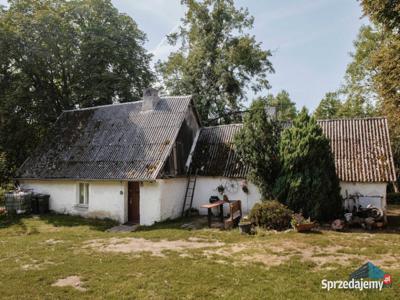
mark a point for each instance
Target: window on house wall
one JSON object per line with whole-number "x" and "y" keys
{"x": 83, "y": 193}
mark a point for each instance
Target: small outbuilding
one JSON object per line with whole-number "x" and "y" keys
{"x": 363, "y": 159}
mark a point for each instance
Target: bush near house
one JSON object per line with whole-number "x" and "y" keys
{"x": 257, "y": 145}
{"x": 2, "y": 191}
{"x": 393, "y": 198}
{"x": 271, "y": 215}
{"x": 308, "y": 182}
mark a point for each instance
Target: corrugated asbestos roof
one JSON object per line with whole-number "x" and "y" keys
{"x": 214, "y": 154}
{"x": 109, "y": 142}
{"x": 361, "y": 148}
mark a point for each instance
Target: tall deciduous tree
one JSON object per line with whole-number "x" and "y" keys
{"x": 358, "y": 90}
{"x": 329, "y": 107}
{"x": 386, "y": 62}
{"x": 285, "y": 107}
{"x": 257, "y": 145}
{"x": 217, "y": 60}
{"x": 358, "y": 96}
{"x": 308, "y": 180}
{"x": 57, "y": 54}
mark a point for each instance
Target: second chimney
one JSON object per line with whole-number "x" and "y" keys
{"x": 150, "y": 99}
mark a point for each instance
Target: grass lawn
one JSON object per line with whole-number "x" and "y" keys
{"x": 194, "y": 264}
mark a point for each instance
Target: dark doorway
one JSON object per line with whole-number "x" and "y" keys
{"x": 133, "y": 202}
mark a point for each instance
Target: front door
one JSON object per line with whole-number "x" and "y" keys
{"x": 133, "y": 202}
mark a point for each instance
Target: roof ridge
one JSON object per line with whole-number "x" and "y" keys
{"x": 223, "y": 125}
{"x": 123, "y": 103}
{"x": 351, "y": 119}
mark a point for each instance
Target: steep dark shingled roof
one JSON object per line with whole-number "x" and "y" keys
{"x": 109, "y": 142}
{"x": 361, "y": 149}
{"x": 214, "y": 153}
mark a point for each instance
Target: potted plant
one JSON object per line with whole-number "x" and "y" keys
{"x": 244, "y": 186}
{"x": 301, "y": 224}
{"x": 220, "y": 189}
{"x": 245, "y": 225}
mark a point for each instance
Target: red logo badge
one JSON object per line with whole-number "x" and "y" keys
{"x": 387, "y": 279}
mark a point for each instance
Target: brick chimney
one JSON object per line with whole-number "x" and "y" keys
{"x": 150, "y": 99}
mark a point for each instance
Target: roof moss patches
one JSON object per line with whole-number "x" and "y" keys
{"x": 361, "y": 149}
{"x": 215, "y": 153}
{"x": 109, "y": 142}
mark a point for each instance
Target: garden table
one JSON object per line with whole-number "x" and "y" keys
{"x": 210, "y": 206}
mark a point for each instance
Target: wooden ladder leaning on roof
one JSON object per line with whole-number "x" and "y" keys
{"x": 190, "y": 186}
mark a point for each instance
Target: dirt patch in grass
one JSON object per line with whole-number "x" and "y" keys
{"x": 277, "y": 253}
{"x": 36, "y": 265}
{"x": 72, "y": 281}
{"x": 156, "y": 248}
{"x": 53, "y": 242}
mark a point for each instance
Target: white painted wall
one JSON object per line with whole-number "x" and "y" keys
{"x": 367, "y": 190}
{"x": 161, "y": 200}
{"x": 171, "y": 197}
{"x": 207, "y": 187}
{"x": 107, "y": 199}
{"x": 150, "y": 210}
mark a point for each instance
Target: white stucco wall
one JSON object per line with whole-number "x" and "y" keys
{"x": 171, "y": 200}
{"x": 150, "y": 210}
{"x": 161, "y": 200}
{"x": 107, "y": 199}
{"x": 207, "y": 187}
{"x": 368, "y": 190}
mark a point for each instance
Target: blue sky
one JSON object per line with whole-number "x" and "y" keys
{"x": 310, "y": 39}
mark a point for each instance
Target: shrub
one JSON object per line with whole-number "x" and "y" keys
{"x": 257, "y": 146}
{"x": 308, "y": 182}
{"x": 393, "y": 198}
{"x": 271, "y": 215}
{"x": 2, "y": 191}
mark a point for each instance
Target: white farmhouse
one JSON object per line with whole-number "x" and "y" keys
{"x": 129, "y": 161}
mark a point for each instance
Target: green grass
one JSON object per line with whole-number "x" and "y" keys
{"x": 143, "y": 276}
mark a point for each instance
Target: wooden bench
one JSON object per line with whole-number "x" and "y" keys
{"x": 235, "y": 214}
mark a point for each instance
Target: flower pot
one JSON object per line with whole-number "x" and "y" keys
{"x": 245, "y": 228}
{"x": 304, "y": 227}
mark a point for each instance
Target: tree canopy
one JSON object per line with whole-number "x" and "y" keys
{"x": 308, "y": 180}
{"x": 285, "y": 107}
{"x": 329, "y": 107}
{"x": 357, "y": 97}
{"x": 257, "y": 145}
{"x": 59, "y": 54}
{"x": 385, "y": 60}
{"x": 217, "y": 60}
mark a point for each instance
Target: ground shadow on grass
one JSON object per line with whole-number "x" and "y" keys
{"x": 56, "y": 220}
{"x": 10, "y": 220}
{"x": 59, "y": 220}
{"x": 170, "y": 224}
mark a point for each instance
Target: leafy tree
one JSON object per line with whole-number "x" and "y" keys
{"x": 329, "y": 107}
{"x": 358, "y": 96}
{"x": 383, "y": 12}
{"x": 285, "y": 107}
{"x": 386, "y": 61}
{"x": 217, "y": 60}
{"x": 358, "y": 90}
{"x": 308, "y": 181}
{"x": 257, "y": 145}
{"x": 58, "y": 54}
